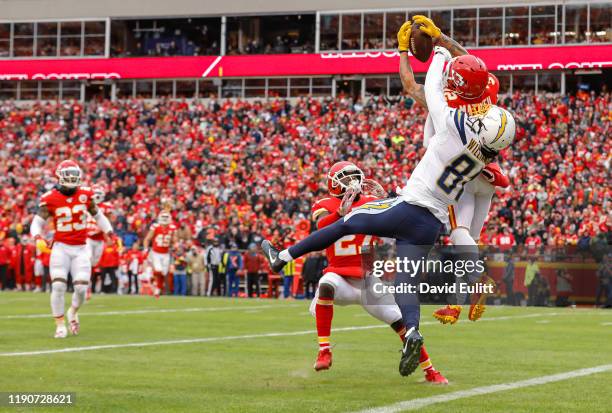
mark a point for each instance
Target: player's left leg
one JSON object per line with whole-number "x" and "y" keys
{"x": 80, "y": 269}
{"x": 380, "y": 218}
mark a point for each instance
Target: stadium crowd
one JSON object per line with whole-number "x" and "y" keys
{"x": 236, "y": 171}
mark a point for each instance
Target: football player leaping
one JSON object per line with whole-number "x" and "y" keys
{"x": 342, "y": 281}
{"x": 465, "y": 77}
{"x": 456, "y": 154}
{"x": 70, "y": 205}
{"x": 162, "y": 235}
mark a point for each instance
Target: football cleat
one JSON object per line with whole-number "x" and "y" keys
{"x": 271, "y": 254}
{"x": 435, "y": 377}
{"x": 61, "y": 331}
{"x": 448, "y": 315}
{"x": 478, "y": 301}
{"x": 411, "y": 352}
{"x": 73, "y": 322}
{"x": 324, "y": 360}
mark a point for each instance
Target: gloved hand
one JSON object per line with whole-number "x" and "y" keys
{"x": 41, "y": 245}
{"x": 403, "y": 36}
{"x": 427, "y": 26}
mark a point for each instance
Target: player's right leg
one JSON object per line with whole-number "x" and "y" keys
{"x": 59, "y": 267}
{"x": 379, "y": 218}
{"x": 383, "y": 308}
{"x": 80, "y": 268}
{"x": 333, "y": 288}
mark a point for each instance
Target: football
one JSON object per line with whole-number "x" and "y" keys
{"x": 421, "y": 44}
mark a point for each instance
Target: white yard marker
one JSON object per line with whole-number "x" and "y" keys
{"x": 415, "y": 404}
{"x": 185, "y": 341}
{"x": 222, "y": 338}
{"x": 159, "y": 310}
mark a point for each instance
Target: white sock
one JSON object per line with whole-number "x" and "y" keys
{"x": 78, "y": 297}
{"x": 285, "y": 256}
{"x": 461, "y": 236}
{"x": 58, "y": 289}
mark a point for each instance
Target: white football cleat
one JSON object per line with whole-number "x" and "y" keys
{"x": 73, "y": 321}
{"x": 61, "y": 331}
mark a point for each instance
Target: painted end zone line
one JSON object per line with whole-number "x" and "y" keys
{"x": 415, "y": 404}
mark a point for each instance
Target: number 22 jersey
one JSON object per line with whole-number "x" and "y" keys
{"x": 344, "y": 256}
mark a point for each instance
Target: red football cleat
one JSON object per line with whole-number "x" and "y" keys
{"x": 435, "y": 377}
{"x": 324, "y": 360}
{"x": 448, "y": 315}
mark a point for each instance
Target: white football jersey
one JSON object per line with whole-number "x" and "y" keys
{"x": 453, "y": 157}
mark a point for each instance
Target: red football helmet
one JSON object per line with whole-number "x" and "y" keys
{"x": 340, "y": 176}
{"x": 69, "y": 174}
{"x": 467, "y": 76}
{"x": 98, "y": 193}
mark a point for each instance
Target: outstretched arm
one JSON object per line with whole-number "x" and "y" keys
{"x": 451, "y": 45}
{"x": 411, "y": 87}
{"x": 434, "y": 89}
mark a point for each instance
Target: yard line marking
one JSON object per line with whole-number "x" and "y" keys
{"x": 185, "y": 341}
{"x": 415, "y": 404}
{"x": 161, "y": 310}
{"x": 606, "y": 324}
{"x": 222, "y": 338}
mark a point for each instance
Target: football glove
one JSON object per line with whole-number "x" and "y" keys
{"x": 347, "y": 200}
{"x": 41, "y": 245}
{"x": 403, "y": 36}
{"x": 427, "y": 26}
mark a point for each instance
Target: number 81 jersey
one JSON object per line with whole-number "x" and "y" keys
{"x": 69, "y": 213}
{"x": 452, "y": 159}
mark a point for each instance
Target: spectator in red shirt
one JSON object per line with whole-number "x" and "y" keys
{"x": 254, "y": 264}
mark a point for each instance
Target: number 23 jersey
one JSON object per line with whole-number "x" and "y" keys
{"x": 69, "y": 213}
{"x": 344, "y": 255}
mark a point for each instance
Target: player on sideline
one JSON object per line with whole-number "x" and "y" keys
{"x": 467, "y": 219}
{"x": 342, "y": 281}
{"x": 462, "y": 146}
{"x": 70, "y": 206}
{"x": 162, "y": 235}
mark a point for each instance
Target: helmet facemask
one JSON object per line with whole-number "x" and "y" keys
{"x": 69, "y": 177}
{"x": 347, "y": 177}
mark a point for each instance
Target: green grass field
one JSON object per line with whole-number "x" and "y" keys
{"x": 228, "y": 372}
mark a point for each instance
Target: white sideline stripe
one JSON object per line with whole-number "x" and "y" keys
{"x": 226, "y": 338}
{"x": 415, "y": 404}
{"x": 185, "y": 341}
{"x": 212, "y": 66}
{"x": 162, "y": 310}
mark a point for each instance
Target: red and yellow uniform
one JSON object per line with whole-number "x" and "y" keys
{"x": 344, "y": 256}
{"x": 70, "y": 216}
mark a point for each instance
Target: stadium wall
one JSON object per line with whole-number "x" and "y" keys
{"x": 64, "y": 9}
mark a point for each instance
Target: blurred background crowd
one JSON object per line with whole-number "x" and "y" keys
{"x": 234, "y": 172}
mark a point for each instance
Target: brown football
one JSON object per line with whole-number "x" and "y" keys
{"x": 421, "y": 44}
